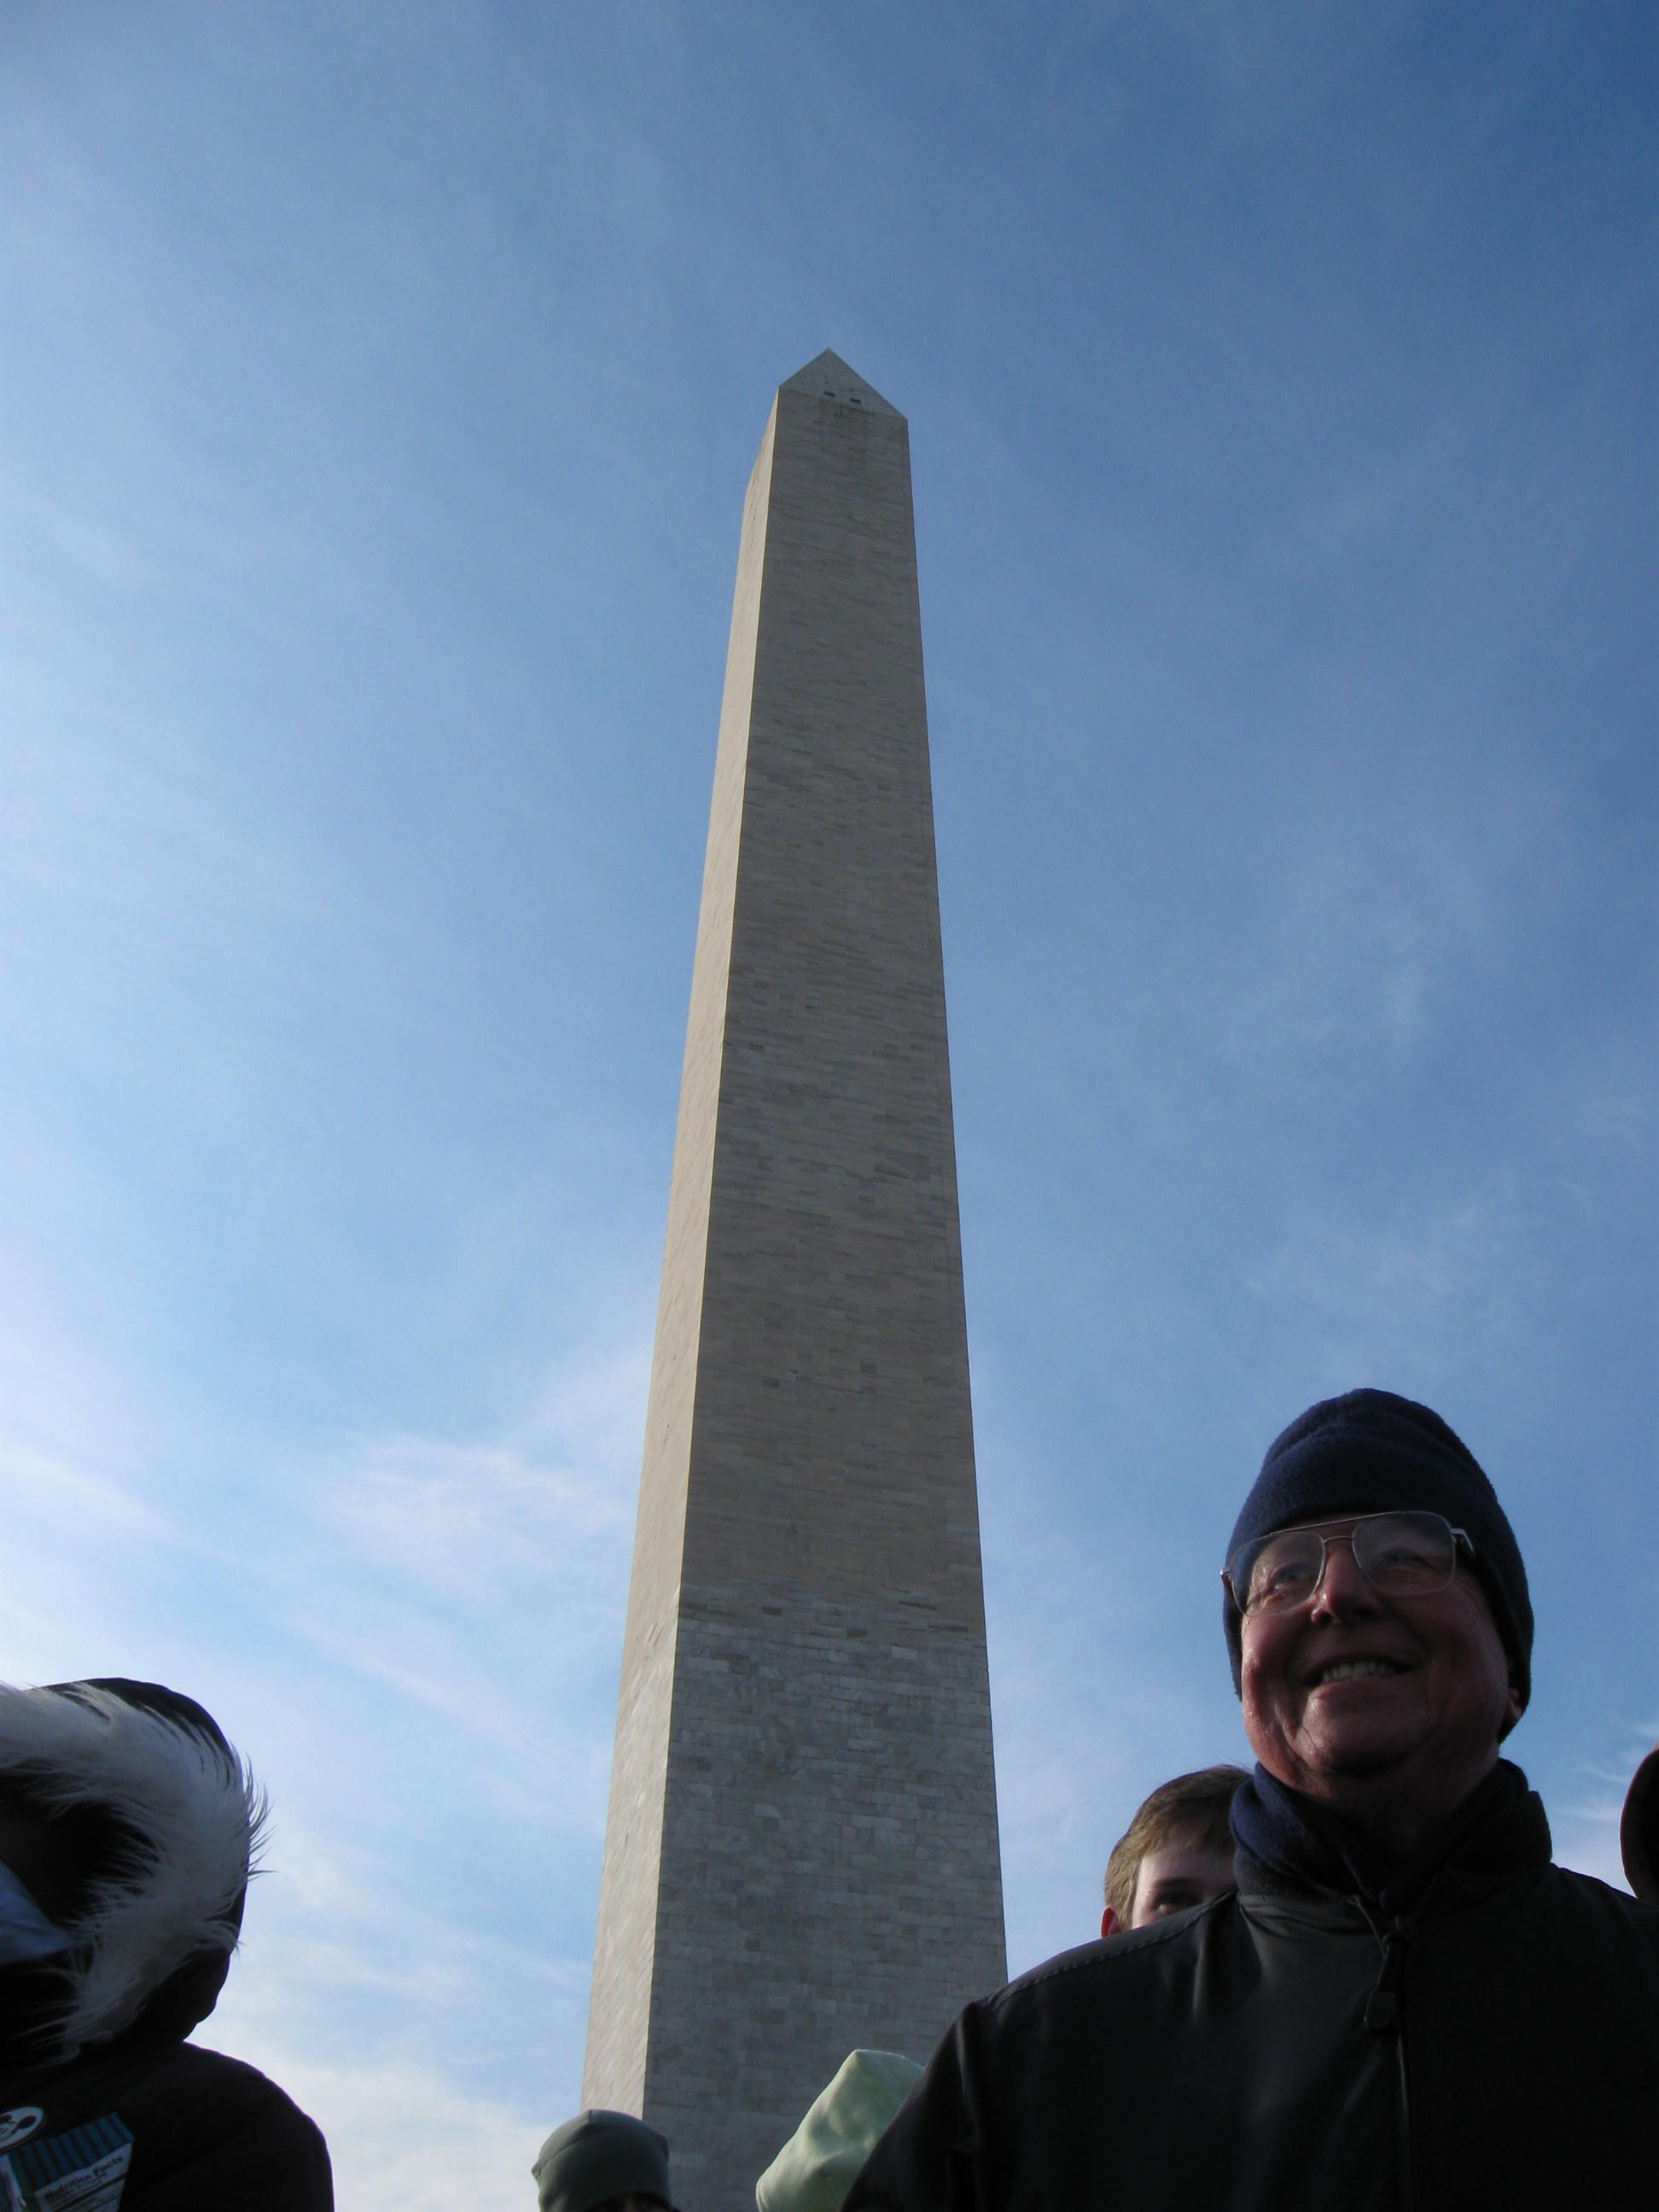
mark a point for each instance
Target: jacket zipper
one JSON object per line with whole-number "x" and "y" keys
{"x": 1383, "y": 2014}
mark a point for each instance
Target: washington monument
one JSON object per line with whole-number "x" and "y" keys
{"x": 801, "y": 1850}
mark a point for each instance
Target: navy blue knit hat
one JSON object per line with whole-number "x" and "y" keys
{"x": 1370, "y": 1452}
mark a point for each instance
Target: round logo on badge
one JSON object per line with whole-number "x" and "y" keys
{"x": 19, "y": 2124}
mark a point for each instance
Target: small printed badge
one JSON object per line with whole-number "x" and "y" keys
{"x": 19, "y": 2124}
{"x": 84, "y": 2170}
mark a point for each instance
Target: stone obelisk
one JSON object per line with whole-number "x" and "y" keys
{"x": 801, "y": 1851}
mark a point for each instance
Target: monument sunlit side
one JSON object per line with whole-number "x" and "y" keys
{"x": 801, "y": 1850}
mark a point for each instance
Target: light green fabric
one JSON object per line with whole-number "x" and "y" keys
{"x": 816, "y": 2167}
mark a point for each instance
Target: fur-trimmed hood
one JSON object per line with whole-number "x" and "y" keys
{"x": 163, "y": 1905}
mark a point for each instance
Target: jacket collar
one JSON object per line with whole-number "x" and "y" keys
{"x": 1286, "y": 1845}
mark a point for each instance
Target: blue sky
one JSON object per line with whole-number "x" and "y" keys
{"x": 378, "y": 392}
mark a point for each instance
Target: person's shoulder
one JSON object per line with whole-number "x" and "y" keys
{"x": 244, "y": 2122}
{"x": 1582, "y": 1935}
{"x": 220, "y": 2100}
{"x": 1097, "y": 1971}
{"x": 216, "y": 2072}
{"x": 1589, "y": 1894}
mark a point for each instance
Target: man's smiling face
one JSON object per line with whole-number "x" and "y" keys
{"x": 1353, "y": 1685}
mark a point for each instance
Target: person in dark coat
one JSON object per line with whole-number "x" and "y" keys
{"x": 127, "y": 1827}
{"x": 1405, "y": 2007}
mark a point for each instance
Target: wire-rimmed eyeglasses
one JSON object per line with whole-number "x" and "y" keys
{"x": 1402, "y": 1554}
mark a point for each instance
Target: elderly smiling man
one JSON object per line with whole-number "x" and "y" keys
{"x": 1404, "y": 2005}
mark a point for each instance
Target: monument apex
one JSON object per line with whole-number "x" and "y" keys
{"x": 827, "y": 377}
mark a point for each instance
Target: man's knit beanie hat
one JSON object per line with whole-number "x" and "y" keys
{"x": 1370, "y": 1452}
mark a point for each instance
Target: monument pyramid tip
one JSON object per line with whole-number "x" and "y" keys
{"x": 827, "y": 377}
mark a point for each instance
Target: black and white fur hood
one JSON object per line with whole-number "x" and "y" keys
{"x": 164, "y": 1905}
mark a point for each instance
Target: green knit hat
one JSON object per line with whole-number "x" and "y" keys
{"x": 816, "y": 2166}
{"x": 598, "y": 2156}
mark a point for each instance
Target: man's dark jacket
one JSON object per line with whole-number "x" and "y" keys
{"x": 1482, "y": 2033}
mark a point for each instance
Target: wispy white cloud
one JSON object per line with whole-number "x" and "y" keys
{"x": 1585, "y": 1825}
{"x": 63, "y": 1499}
{"x": 1391, "y": 1289}
{"x": 459, "y": 1518}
